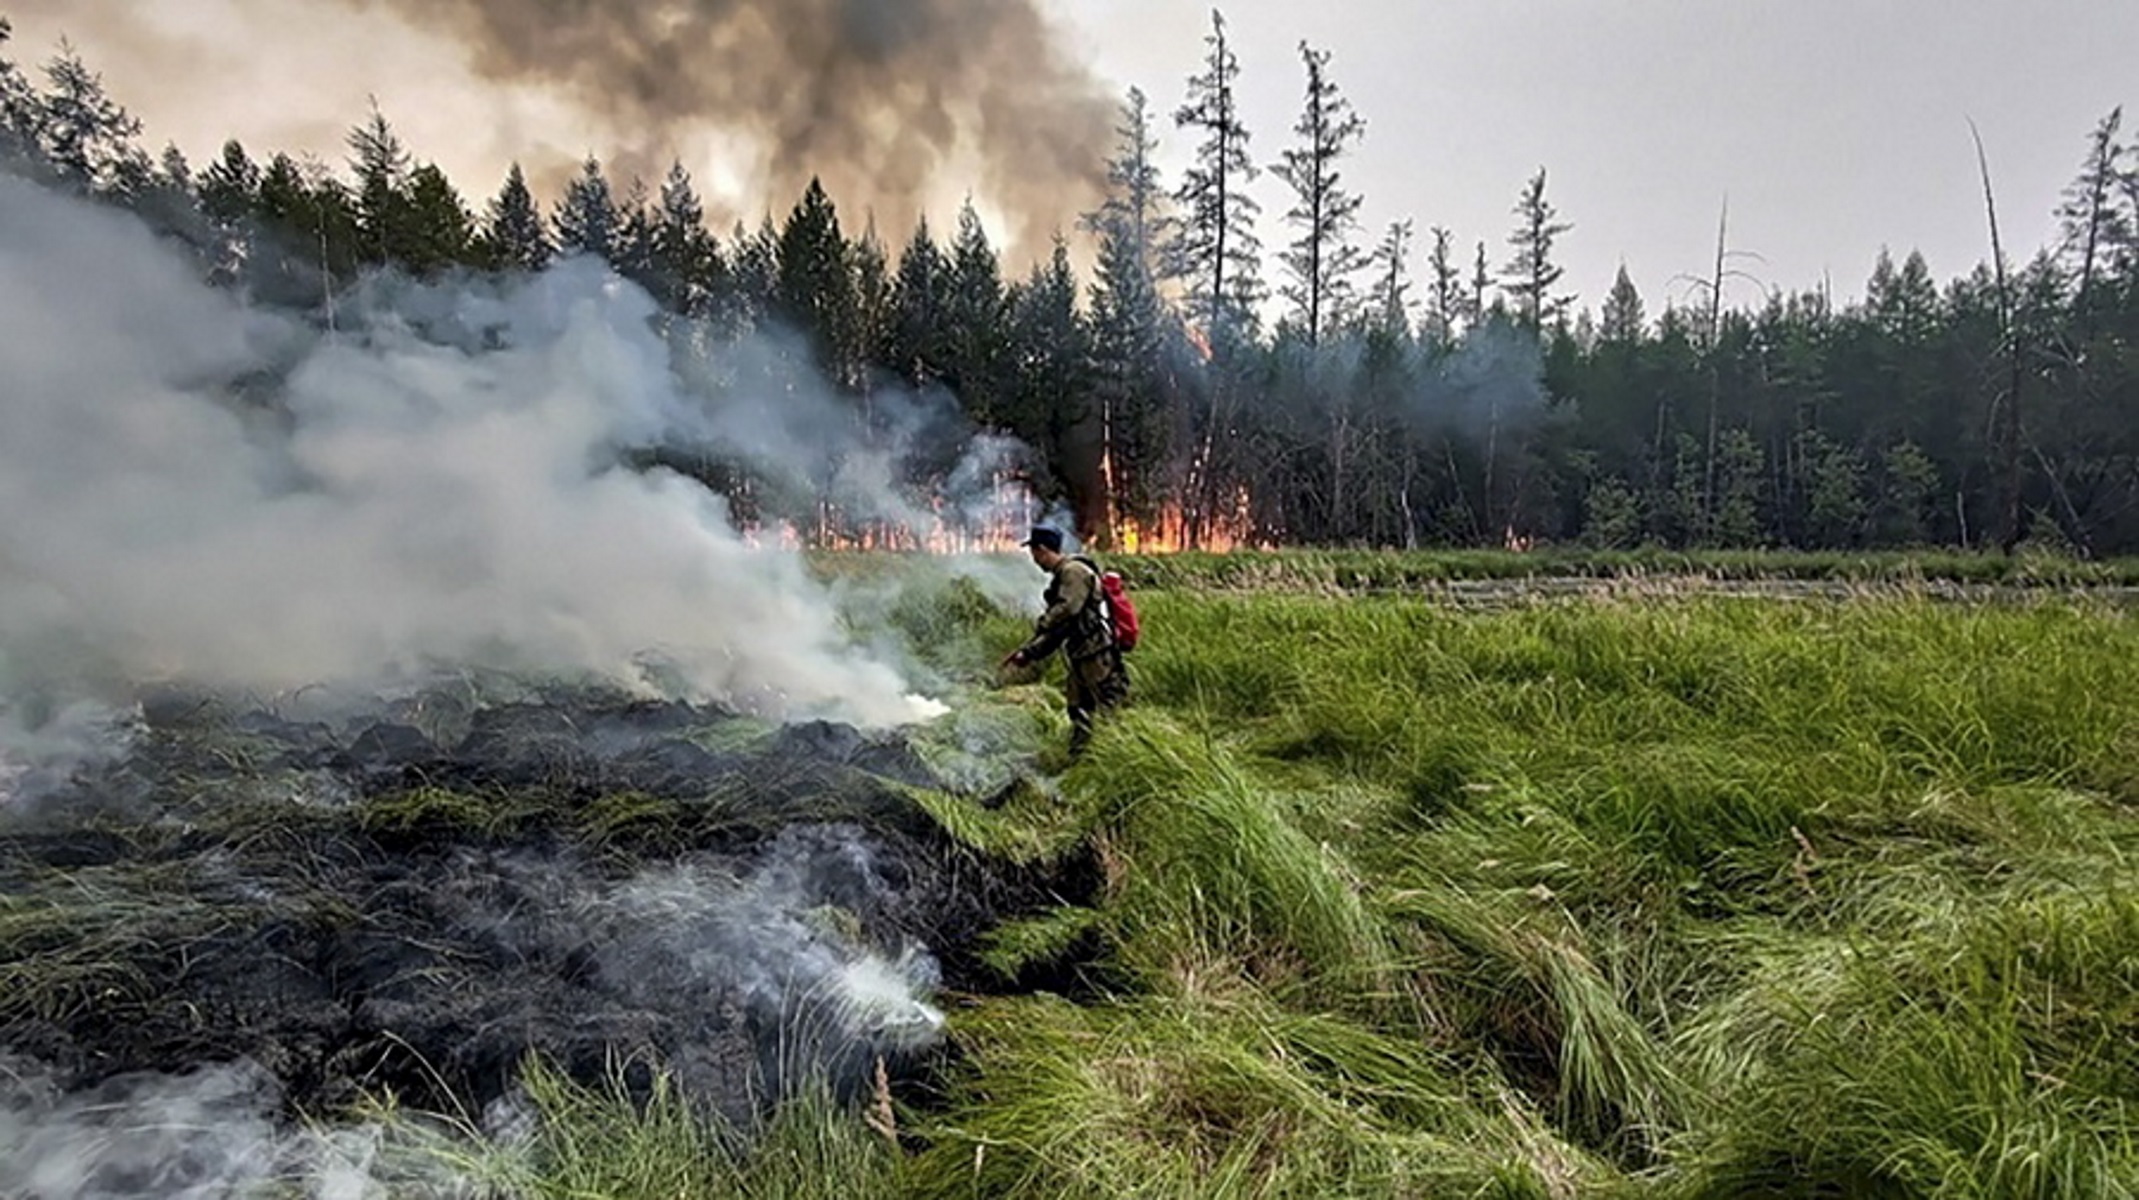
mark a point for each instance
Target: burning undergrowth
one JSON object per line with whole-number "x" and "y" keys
{"x": 414, "y": 900}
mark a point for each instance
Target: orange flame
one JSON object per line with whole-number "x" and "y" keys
{"x": 1199, "y": 339}
{"x": 995, "y": 526}
{"x": 1172, "y": 531}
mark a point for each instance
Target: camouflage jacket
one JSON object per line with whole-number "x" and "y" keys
{"x": 1076, "y": 616}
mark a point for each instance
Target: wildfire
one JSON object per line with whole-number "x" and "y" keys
{"x": 1172, "y": 531}
{"x": 995, "y": 523}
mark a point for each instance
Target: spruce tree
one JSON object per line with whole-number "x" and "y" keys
{"x": 1215, "y": 249}
{"x": 1532, "y": 274}
{"x": 517, "y": 237}
{"x": 685, "y": 259}
{"x": 1447, "y": 303}
{"x": 1322, "y": 260}
{"x": 1621, "y": 323}
{"x": 230, "y": 186}
{"x": 814, "y": 294}
{"x": 381, "y": 167}
{"x": 1135, "y": 205}
{"x": 439, "y": 232}
{"x": 587, "y": 220}
{"x": 914, "y": 342}
{"x": 82, "y": 134}
{"x": 18, "y": 103}
{"x": 1048, "y": 402}
{"x": 974, "y": 318}
{"x": 1128, "y": 343}
{"x": 1391, "y": 303}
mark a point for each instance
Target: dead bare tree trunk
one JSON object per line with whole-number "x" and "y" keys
{"x": 2009, "y": 333}
{"x": 1715, "y": 371}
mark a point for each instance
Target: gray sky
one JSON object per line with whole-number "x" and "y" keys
{"x": 1834, "y": 126}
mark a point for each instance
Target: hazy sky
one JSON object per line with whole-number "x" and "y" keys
{"x": 1834, "y": 126}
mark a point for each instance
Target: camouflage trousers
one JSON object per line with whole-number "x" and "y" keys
{"x": 1092, "y": 684}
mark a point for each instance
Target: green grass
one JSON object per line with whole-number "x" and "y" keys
{"x": 1657, "y": 893}
{"x": 1391, "y": 570}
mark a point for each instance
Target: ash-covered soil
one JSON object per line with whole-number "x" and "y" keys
{"x": 415, "y": 900}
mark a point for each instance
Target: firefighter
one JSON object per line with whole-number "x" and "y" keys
{"x": 1077, "y": 623}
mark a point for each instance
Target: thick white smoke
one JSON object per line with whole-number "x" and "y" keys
{"x": 203, "y": 1135}
{"x": 193, "y": 488}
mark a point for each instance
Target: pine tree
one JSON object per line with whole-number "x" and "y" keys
{"x": 517, "y": 237}
{"x": 1532, "y": 274}
{"x": 311, "y": 220}
{"x": 2089, "y": 217}
{"x": 82, "y": 133}
{"x": 1622, "y": 321}
{"x": 1216, "y": 249}
{"x": 1392, "y": 286}
{"x": 18, "y": 103}
{"x": 587, "y": 220}
{"x": 228, "y": 193}
{"x": 1481, "y": 283}
{"x": 814, "y": 295}
{"x": 754, "y": 284}
{"x": 1447, "y": 304}
{"x": 1135, "y": 203}
{"x": 1323, "y": 259}
{"x": 632, "y": 254}
{"x": 439, "y": 232}
{"x": 381, "y": 166}
{"x": 1048, "y": 405}
{"x": 686, "y": 260}
{"x": 974, "y": 319}
{"x": 1903, "y": 303}
{"x": 1127, "y": 346}
{"x": 874, "y": 303}
{"x": 173, "y": 172}
{"x": 914, "y": 342}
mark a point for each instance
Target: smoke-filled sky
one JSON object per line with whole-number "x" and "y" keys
{"x": 1834, "y": 126}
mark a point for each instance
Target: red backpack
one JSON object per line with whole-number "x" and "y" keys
{"x": 1121, "y": 611}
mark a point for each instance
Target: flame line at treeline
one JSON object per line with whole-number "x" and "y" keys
{"x": 1001, "y": 531}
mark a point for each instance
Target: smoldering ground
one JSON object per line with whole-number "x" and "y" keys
{"x": 376, "y": 715}
{"x": 274, "y": 916}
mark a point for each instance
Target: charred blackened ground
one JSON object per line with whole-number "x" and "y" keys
{"x": 415, "y": 900}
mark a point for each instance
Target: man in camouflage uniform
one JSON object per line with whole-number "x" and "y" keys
{"x": 1076, "y": 621}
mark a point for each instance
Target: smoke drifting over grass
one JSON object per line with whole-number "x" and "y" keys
{"x": 203, "y": 1134}
{"x": 198, "y": 489}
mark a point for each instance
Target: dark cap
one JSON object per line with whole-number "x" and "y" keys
{"x": 1044, "y": 536}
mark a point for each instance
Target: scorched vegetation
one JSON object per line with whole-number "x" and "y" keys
{"x": 1680, "y": 895}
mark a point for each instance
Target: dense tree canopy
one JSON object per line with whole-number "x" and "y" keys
{"x": 1479, "y": 405}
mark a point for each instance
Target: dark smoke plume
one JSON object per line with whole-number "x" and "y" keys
{"x": 884, "y": 99}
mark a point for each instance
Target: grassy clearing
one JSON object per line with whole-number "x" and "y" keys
{"x": 1390, "y": 570}
{"x": 1677, "y": 896}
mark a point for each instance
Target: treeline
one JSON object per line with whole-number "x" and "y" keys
{"x": 1467, "y": 402}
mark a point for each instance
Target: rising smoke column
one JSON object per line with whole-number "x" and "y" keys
{"x": 194, "y": 488}
{"x": 878, "y": 97}
{"x": 902, "y": 107}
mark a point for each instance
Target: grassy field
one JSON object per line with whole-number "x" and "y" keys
{"x": 1670, "y": 895}
{"x": 1374, "y": 570}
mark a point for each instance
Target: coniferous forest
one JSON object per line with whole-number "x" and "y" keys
{"x": 1397, "y": 388}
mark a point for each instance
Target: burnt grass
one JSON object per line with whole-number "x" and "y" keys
{"x": 413, "y": 902}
